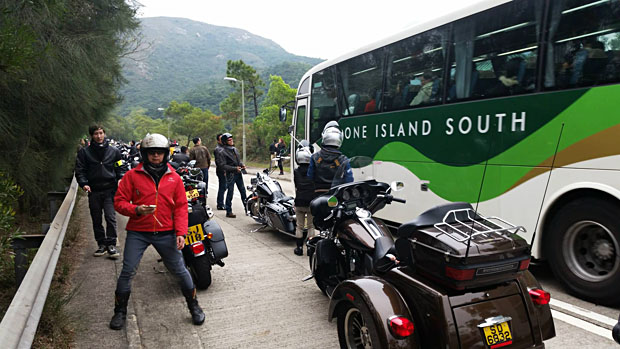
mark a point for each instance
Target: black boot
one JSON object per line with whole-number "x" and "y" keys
{"x": 120, "y": 310}
{"x": 299, "y": 250}
{"x": 198, "y": 316}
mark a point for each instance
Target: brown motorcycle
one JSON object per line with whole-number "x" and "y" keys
{"x": 452, "y": 279}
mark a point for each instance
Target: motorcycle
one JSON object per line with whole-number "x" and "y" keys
{"x": 268, "y": 205}
{"x": 452, "y": 279}
{"x": 204, "y": 242}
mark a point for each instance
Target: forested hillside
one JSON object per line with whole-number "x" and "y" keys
{"x": 186, "y": 60}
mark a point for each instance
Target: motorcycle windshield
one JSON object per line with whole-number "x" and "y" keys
{"x": 357, "y": 168}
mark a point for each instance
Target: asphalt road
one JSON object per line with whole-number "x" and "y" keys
{"x": 257, "y": 300}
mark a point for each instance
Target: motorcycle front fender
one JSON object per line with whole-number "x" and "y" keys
{"x": 382, "y": 300}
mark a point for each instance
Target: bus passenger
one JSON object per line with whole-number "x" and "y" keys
{"x": 424, "y": 95}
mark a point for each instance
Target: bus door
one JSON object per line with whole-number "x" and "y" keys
{"x": 300, "y": 125}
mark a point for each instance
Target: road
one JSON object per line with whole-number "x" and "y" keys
{"x": 258, "y": 299}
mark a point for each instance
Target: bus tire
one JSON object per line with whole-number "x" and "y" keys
{"x": 583, "y": 248}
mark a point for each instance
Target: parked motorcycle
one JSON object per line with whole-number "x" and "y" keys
{"x": 204, "y": 243}
{"x": 452, "y": 279}
{"x": 268, "y": 205}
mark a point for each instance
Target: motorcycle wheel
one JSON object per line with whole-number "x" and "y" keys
{"x": 356, "y": 328}
{"x": 201, "y": 272}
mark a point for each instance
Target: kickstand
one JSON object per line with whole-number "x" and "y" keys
{"x": 260, "y": 228}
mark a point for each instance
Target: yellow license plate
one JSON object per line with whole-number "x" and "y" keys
{"x": 194, "y": 234}
{"x": 191, "y": 194}
{"x": 497, "y": 334}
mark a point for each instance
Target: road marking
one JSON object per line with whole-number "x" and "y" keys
{"x": 583, "y": 312}
{"x": 590, "y": 327}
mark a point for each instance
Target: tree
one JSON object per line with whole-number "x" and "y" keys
{"x": 191, "y": 122}
{"x": 267, "y": 124}
{"x": 251, "y": 81}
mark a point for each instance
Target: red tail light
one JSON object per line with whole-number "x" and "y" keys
{"x": 400, "y": 326}
{"x": 524, "y": 264}
{"x": 460, "y": 274}
{"x": 540, "y": 297}
{"x": 198, "y": 247}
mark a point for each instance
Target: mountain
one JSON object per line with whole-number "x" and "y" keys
{"x": 184, "y": 60}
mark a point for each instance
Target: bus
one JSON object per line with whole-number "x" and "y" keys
{"x": 513, "y": 106}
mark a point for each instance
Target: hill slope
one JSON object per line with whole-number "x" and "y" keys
{"x": 186, "y": 55}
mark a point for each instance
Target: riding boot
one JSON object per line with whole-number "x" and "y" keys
{"x": 198, "y": 316}
{"x": 120, "y": 310}
{"x": 299, "y": 250}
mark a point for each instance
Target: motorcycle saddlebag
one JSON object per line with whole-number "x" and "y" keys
{"x": 463, "y": 250}
{"x": 218, "y": 245}
{"x": 280, "y": 217}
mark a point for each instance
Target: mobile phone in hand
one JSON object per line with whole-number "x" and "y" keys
{"x": 151, "y": 206}
{"x": 243, "y": 171}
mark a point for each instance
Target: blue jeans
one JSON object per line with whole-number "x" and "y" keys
{"x": 205, "y": 175}
{"x": 166, "y": 246}
{"x": 231, "y": 180}
{"x": 221, "y": 190}
{"x": 99, "y": 201}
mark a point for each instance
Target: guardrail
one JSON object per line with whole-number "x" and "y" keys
{"x": 20, "y": 322}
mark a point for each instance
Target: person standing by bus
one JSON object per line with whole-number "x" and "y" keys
{"x": 152, "y": 195}
{"x": 329, "y": 162}
{"x": 280, "y": 150}
{"x": 97, "y": 171}
{"x": 304, "y": 193}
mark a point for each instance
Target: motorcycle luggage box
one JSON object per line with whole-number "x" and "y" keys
{"x": 218, "y": 245}
{"x": 280, "y": 217}
{"x": 464, "y": 250}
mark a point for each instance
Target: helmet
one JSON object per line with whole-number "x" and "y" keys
{"x": 225, "y": 137}
{"x": 332, "y": 134}
{"x": 303, "y": 155}
{"x": 155, "y": 141}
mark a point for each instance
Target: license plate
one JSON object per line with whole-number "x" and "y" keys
{"x": 497, "y": 335}
{"x": 194, "y": 234}
{"x": 191, "y": 194}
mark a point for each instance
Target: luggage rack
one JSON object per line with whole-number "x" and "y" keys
{"x": 464, "y": 224}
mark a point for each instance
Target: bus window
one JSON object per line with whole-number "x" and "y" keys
{"x": 300, "y": 123}
{"x": 495, "y": 52}
{"x": 415, "y": 70}
{"x": 584, "y": 43}
{"x": 323, "y": 104}
{"x": 304, "y": 87}
{"x": 361, "y": 80}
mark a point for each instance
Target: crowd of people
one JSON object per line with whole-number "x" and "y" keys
{"x": 153, "y": 196}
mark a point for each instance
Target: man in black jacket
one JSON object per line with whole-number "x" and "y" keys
{"x": 97, "y": 170}
{"x": 228, "y": 160}
{"x": 304, "y": 193}
{"x": 221, "y": 174}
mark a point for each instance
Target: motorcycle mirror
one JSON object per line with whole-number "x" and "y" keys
{"x": 192, "y": 163}
{"x": 397, "y": 186}
{"x": 332, "y": 201}
{"x": 253, "y": 181}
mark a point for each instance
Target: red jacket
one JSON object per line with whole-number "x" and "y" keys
{"x": 138, "y": 188}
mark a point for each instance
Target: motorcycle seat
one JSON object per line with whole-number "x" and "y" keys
{"x": 430, "y": 217}
{"x": 284, "y": 198}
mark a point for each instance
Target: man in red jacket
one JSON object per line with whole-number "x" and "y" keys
{"x": 152, "y": 195}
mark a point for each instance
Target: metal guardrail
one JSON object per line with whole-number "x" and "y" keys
{"x": 21, "y": 320}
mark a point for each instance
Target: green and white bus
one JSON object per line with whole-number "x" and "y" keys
{"x": 514, "y": 105}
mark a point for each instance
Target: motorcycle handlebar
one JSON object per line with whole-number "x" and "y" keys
{"x": 399, "y": 200}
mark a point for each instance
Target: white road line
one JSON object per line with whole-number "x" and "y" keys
{"x": 603, "y": 332}
{"x": 583, "y": 312}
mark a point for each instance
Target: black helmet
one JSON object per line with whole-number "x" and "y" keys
{"x": 225, "y": 137}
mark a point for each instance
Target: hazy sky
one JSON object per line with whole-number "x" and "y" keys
{"x": 315, "y": 28}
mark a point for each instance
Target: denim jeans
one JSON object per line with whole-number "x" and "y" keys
{"x": 232, "y": 179}
{"x": 205, "y": 175}
{"x": 221, "y": 190}
{"x": 99, "y": 201}
{"x": 166, "y": 246}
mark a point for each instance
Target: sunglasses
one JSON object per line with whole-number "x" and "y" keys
{"x": 156, "y": 152}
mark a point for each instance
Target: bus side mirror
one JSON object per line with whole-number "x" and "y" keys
{"x": 283, "y": 114}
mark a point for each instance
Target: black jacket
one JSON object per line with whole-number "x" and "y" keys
{"x": 304, "y": 186}
{"x": 97, "y": 166}
{"x": 219, "y": 170}
{"x": 228, "y": 159}
{"x": 180, "y": 157}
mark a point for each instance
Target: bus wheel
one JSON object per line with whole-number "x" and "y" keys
{"x": 583, "y": 248}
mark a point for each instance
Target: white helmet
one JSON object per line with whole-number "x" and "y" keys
{"x": 303, "y": 155}
{"x": 332, "y": 134}
{"x": 155, "y": 141}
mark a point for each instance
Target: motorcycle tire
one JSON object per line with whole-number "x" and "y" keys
{"x": 357, "y": 328}
{"x": 201, "y": 272}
